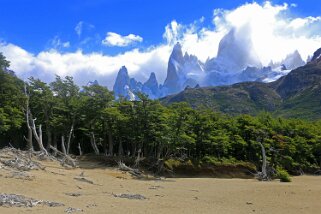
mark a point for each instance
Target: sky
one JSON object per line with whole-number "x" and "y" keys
{"x": 92, "y": 39}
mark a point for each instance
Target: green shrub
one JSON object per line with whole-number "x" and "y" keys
{"x": 172, "y": 163}
{"x": 283, "y": 175}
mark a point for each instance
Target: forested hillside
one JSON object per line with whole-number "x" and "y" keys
{"x": 90, "y": 120}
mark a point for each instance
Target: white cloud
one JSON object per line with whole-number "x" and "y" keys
{"x": 302, "y": 22}
{"x": 114, "y": 39}
{"x": 81, "y": 26}
{"x": 275, "y": 32}
{"x": 56, "y": 43}
{"x": 85, "y": 67}
{"x": 78, "y": 28}
{"x": 173, "y": 31}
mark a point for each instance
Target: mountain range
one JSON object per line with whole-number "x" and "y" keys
{"x": 236, "y": 62}
{"x": 296, "y": 95}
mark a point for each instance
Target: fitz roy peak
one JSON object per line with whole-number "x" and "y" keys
{"x": 236, "y": 61}
{"x": 182, "y": 71}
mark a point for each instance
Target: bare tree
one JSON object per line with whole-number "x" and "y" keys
{"x": 69, "y": 137}
{"x": 264, "y": 175}
{"x": 27, "y": 114}
{"x": 38, "y": 136}
{"x": 93, "y": 143}
{"x": 79, "y": 148}
{"x": 63, "y": 147}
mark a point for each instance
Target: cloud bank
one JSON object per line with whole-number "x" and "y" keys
{"x": 114, "y": 39}
{"x": 274, "y": 31}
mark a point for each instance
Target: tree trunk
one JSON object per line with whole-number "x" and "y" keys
{"x": 159, "y": 151}
{"x": 93, "y": 143}
{"x": 38, "y": 136}
{"x": 69, "y": 137}
{"x": 63, "y": 147}
{"x": 55, "y": 144}
{"x": 264, "y": 173}
{"x": 29, "y": 139}
{"x": 110, "y": 144}
{"x": 49, "y": 136}
{"x": 79, "y": 148}
{"x": 120, "y": 148}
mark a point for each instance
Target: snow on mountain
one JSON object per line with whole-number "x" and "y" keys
{"x": 182, "y": 71}
{"x": 235, "y": 53}
{"x": 122, "y": 84}
{"x": 151, "y": 87}
{"x": 236, "y": 61}
{"x": 129, "y": 87}
{"x": 293, "y": 60}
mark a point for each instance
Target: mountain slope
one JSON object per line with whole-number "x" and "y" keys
{"x": 297, "y": 94}
{"x": 241, "y": 98}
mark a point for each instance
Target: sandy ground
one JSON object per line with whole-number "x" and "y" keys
{"x": 186, "y": 195}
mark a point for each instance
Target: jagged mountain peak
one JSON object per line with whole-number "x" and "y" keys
{"x": 316, "y": 56}
{"x": 177, "y": 53}
{"x": 151, "y": 79}
{"x": 151, "y": 87}
{"x": 122, "y": 82}
{"x": 293, "y": 60}
{"x": 123, "y": 70}
{"x": 235, "y": 53}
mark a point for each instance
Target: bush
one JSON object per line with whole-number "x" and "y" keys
{"x": 172, "y": 163}
{"x": 283, "y": 175}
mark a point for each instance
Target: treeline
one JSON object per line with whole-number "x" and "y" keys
{"x": 90, "y": 120}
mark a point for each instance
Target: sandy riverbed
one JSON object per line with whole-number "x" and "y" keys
{"x": 186, "y": 195}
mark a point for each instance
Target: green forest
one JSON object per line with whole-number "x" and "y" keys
{"x": 89, "y": 120}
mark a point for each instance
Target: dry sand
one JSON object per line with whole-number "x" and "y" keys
{"x": 185, "y": 195}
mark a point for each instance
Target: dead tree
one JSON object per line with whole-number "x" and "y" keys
{"x": 38, "y": 136}
{"x": 134, "y": 172}
{"x": 29, "y": 139}
{"x": 93, "y": 143}
{"x": 264, "y": 175}
{"x": 63, "y": 147}
{"x": 79, "y": 148}
{"x": 66, "y": 158}
{"x": 69, "y": 138}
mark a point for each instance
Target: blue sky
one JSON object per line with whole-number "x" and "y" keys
{"x": 33, "y": 24}
{"x": 92, "y": 39}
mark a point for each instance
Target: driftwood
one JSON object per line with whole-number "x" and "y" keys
{"x": 20, "y": 160}
{"x": 84, "y": 180}
{"x": 134, "y": 172}
{"x": 73, "y": 194}
{"x": 66, "y": 159}
{"x": 130, "y": 196}
{"x": 13, "y": 200}
{"x": 71, "y": 210}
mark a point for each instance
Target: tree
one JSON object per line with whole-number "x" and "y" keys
{"x": 94, "y": 100}
{"x": 12, "y": 101}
